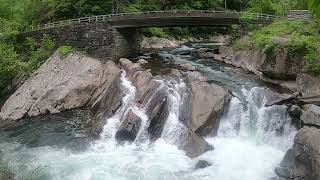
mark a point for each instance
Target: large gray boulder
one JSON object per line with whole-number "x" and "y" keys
{"x": 309, "y": 87}
{"x": 247, "y": 60}
{"x": 158, "y": 43}
{"x": 193, "y": 144}
{"x": 59, "y": 84}
{"x": 282, "y": 63}
{"x": 274, "y": 65}
{"x": 311, "y": 115}
{"x": 129, "y": 128}
{"x": 208, "y": 102}
{"x": 158, "y": 114}
{"x": 142, "y": 79}
{"x": 302, "y": 161}
{"x": 106, "y": 100}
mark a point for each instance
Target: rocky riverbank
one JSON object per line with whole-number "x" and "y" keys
{"x": 76, "y": 81}
{"x": 281, "y": 67}
{"x": 160, "y": 43}
{"x": 284, "y": 68}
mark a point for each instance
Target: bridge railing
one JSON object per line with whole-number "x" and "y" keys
{"x": 111, "y": 17}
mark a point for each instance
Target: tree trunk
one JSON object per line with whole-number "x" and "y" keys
{"x": 115, "y": 6}
{"x": 225, "y": 5}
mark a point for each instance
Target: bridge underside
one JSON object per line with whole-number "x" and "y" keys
{"x": 118, "y": 37}
{"x": 140, "y": 22}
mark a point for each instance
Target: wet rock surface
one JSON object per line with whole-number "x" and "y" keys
{"x": 80, "y": 81}
{"x": 208, "y": 104}
{"x": 309, "y": 87}
{"x": 207, "y": 101}
{"x": 129, "y": 128}
{"x": 302, "y": 161}
{"x": 311, "y": 115}
{"x": 193, "y": 144}
{"x": 201, "y": 164}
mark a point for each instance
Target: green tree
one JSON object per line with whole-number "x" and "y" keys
{"x": 314, "y": 7}
{"x": 10, "y": 64}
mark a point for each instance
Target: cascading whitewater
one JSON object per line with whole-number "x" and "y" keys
{"x": 251, "y": 141}
{"x": 173, "y": 128}
{"x": 255, "y": 120}
{"x": 176, "y": 90}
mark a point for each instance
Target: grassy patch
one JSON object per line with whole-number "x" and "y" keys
{"x": 65, "y": 50}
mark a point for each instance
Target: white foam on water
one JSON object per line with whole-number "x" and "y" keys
{"x": 239, "y": 158}
{"x": 248, "y": 146}
{"x": 112, "y": 124}
{"x": 173, "y": 127}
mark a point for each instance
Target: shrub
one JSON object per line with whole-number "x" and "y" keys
{"x": 41, "y": 52}
{"x": 158, "y": 32}
{"x": 10, "y": 64}
{"x": 23, "y": 58}
{"x": 65, "y": 50}
{"x": 247, "y": 20}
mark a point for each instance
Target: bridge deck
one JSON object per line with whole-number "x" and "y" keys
{"x": 164, "y": 19}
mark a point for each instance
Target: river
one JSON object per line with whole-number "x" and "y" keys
{"x": 252, "y": 139}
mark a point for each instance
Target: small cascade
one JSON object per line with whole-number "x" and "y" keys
{"x": 173, "y": 127}
{"x": 251, "y": 141}
{"x": 271, "y": 125}
{"x": 176, "y": 92}
{"x": 113, "y": 123}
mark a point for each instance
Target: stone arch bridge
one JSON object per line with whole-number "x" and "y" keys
{"x": 116, "y": 35}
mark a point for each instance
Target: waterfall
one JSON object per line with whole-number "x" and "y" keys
{"x": 269, "y": 125}
{"x": 113, "y": 123}
{"x": 176, "y": 91}
{"x": 251, "y": 140}
{"x": 173, "y": 127}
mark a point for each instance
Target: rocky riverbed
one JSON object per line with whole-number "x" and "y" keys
{"x": 178, "y": 114}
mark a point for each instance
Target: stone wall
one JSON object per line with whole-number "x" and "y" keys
{"x": 98, "y": 39}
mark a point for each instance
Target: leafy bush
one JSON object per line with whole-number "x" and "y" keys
{"x": 23, "y": 58}
{"x": 40, "y": 52}
{"x": 247, "y": 20}
{"x": 65, "y": 50}
{"x": 314, "y": 7}
{"x": 10, "y": 64}
{"x": 157, "y": 32}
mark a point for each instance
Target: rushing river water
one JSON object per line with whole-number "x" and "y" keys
{"x": 251, "y": 141}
